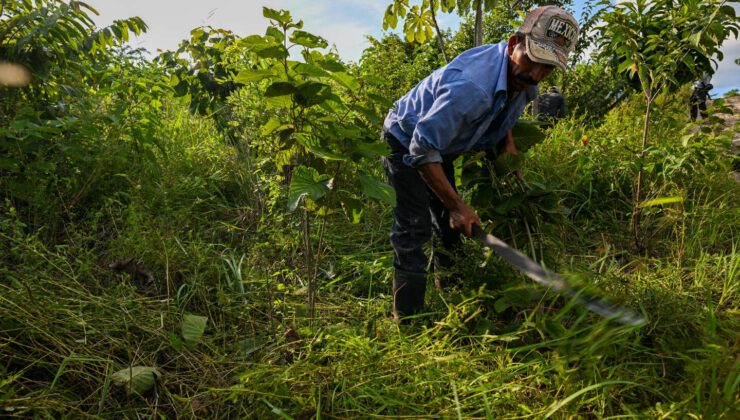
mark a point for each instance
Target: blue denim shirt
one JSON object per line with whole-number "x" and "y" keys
{"x": 459, "y": 107}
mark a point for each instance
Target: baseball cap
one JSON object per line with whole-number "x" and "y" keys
{"x": 552, "y": 34}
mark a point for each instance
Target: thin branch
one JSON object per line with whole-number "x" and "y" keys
{"x": 440, "y": 38}
{"x": 478, "y": 23}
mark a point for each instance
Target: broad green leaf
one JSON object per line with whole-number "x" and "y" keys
{"x": 312, "y": 93}
{"x": 137, "y": 379}
{"x": 353, "y": 209}
{"x": 256, "y": 41}
{"x": 308, "y": 40}
{"x": 193, "y": 327}
{"x": 306, "y": 181}
{"x": 346, "y": 80}
{"x": 661, "y": 201}
{"x": 371, "y": 150}
{"x": 327, "y": 62}
{"x": 527, "y": 134}
{"x": 280, "y": 16}
{"x": 275, "y": 51}
{"x": 264, "y": 46}
{"x": 310, "y": 70}
{"x": 272, "y": 125}
{"x": 333, "y": 104}
{"x": 368, "y": 113}
{"x": 199, "y": 34}
{"x": 507, "y": 163}
{"x": 284, "y": 132}
{"x": 280, "y": 89}
{"x": 313, "y": 144}
{"x": 330, "y": 64}
{"x": 278, "y": 102}
{"x": 501, "y": 305}
{"x": 410, "y": 36}
{"x": 418, "y": 24}
{"x": 390, "y": 19}
{"x": 275, "y": 33}
{"x": 625, "y": 65}
{"x": 383, "y": 102}
{"x": 349, "y": 131}
{"x": 176, "y": 341}
{"x": 377, "y": 189}
{"x": 695, "y": 38}
{"x": 325, "y": 211}
{"x": 253, "y": 75}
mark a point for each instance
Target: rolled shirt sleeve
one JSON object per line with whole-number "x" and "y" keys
{"x": 458, "y": 102}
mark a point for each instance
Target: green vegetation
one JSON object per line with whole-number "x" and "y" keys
{"x": 205, "y": 235}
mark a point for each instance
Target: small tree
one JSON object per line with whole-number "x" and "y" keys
{"x": 320, "y": 128}
{"x": 419, "y": 20}
{"x": 660, "y": 45}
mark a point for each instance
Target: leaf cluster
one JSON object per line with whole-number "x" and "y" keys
{"x": 662, "y": 44}
{"x": 322, "y": 124}
{"x": 84, "y": 86}
{"x": 418, "y": 18}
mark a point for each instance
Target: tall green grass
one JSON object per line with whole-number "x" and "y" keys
{"x": 219, "y": 244}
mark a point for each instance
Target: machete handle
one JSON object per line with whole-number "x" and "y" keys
{"x": 476, "y": 230}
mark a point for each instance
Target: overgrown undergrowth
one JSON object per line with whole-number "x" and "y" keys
{"x": 192, "y": 233}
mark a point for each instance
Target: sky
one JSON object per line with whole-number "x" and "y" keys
{"x": 343, "y": 23}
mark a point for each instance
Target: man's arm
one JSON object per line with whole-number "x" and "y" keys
{"x": 509, "y": 146}
{"x": 462, "y": 217}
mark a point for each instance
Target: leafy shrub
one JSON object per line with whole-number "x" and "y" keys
{"x": 52, "y": 156}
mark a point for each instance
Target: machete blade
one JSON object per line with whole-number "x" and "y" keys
{"x": 552, "y": 280}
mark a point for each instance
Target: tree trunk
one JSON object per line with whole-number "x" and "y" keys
{"x": 478, "y": 23}
{"x": 440, "y": 38}
{"x": 636, "y": 211}
{"x": 309, "y": 261}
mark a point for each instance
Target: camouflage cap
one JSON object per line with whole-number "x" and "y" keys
{"x": 552, "y": 34}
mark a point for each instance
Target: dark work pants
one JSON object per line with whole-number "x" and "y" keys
{"x": 417, "y": 214}
{"x": 697, "y": 104}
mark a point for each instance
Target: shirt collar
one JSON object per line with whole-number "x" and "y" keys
{"x": 501, "y": 84}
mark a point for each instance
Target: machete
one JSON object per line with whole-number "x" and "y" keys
{"x": 550, "y": 279}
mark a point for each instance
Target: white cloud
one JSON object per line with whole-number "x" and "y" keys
{"x": 726, "y": 77}
{"x": 342, "y": 23}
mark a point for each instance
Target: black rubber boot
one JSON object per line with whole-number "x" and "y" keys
{"x": 408, "y": 294}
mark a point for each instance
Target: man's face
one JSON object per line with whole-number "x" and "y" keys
{"x": 523, "y": 72}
